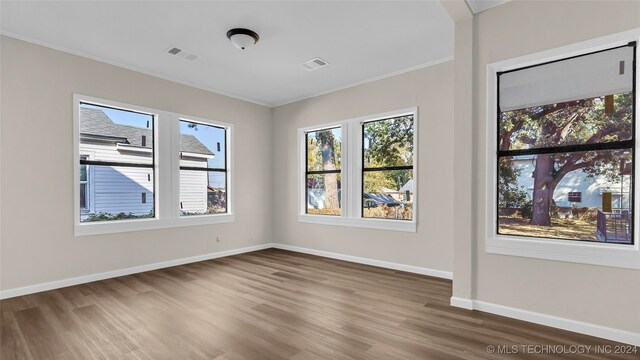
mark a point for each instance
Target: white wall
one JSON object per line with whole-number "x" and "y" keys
{"x": 431, "y": 89}
{"x": 593, "y": 294}
{"x": 37, "y": 242}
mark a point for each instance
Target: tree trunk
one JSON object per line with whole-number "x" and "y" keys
{"x": 543, "y": 188}
{"x": 327, "y": 140}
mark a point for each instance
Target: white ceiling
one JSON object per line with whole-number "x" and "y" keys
{"x": 362, "y": 40}
{"x": 478, "y": 6}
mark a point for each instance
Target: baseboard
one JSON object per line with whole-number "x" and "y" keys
{"x": 461, "y": 303}
{"x": 366, "y": 261}
{"x": 5, "y": 294}
{"x": 604, "y": 332}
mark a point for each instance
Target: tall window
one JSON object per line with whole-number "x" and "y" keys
{"x": 360, "y": 172}
{"x": 566, "y": 148}
{"x": 323, "y": 174}
{"x": 122, "y": 165}
{"x": 387, "y": 168}
{"x": 203, "y": 169}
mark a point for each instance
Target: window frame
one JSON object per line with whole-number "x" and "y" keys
{"x": 351, "y": 173}
{"x": 604, "y": 254}
{"x": 166, "y": 149}
{"x": 227, "y": 161}
{"x": 307, "y": 172}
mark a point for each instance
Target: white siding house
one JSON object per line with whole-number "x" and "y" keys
{"x": 577, "y": 181}
{"x": 130, "y": 190}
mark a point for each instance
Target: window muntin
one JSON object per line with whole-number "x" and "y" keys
{"x": 568, "y": 126}
{"x": 387, "y": 168}
{"x": 203, "y": 169}
{"x": 121, "y": 166}
{"x": 323, "y": 176}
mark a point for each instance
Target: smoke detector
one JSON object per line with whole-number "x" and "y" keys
{"x": 314, "y": 64}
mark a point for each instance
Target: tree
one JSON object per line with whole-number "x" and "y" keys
{"x": 388, "y": 143}
{"x": 326, "y": 142}
{"x": 574, "y": 122}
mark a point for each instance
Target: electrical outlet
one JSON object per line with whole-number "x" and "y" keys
{"x": 217, "y": 239}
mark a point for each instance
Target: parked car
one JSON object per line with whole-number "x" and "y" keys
{"x": 375, "y": 200}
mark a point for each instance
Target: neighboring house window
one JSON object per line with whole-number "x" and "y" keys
{"x": 137, "y": 168}
{"x": 360, "y": 172}
{"x": 568, "y": 125}
{"x": 387, "y": 170}
{"x": 561, "y": 140}
{"x": 322, "y": 174}
{"x": 84, "y": 191}
{"x": 203, "y": 169}
{"x": 122, "y": 163}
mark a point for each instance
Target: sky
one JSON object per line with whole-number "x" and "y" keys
{"x": 209, "y": 136}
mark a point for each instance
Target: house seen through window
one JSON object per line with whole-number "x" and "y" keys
{"x": 566, "y": 148}
{"x": 116, "y": 164}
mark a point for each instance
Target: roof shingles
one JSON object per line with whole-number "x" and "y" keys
{"x": 94, "y": 122}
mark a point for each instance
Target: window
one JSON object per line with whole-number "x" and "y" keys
{"x": 122, "y": 164}
{"x": 387, "y": 171}
{"x": 203, "y": 169}
{"x": 360, "y": 172}
{"x": 557, "y": 140}
{"x": 561, "y": 180}
{"x": 323, "y": 175}
{"x": 137, "y": 168}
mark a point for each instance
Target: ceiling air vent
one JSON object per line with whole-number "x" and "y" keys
{"x": 314, "y": 64}
{"x": 174, "y": 50}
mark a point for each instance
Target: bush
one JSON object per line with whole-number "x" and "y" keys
{"x": 102, "y": 216}
{"x": 526, "y": 211}
{"x": 585, "y": 213}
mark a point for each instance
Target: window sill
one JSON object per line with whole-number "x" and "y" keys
{"x": 614, "y": 255}
{"x": 98, "y": 228}
{"x": 380, "y": 224}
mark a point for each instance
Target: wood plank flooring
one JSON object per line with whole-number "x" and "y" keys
{"x": 269, "y": 304}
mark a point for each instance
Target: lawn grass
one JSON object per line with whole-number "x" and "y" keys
{"x": 572, "y": 229}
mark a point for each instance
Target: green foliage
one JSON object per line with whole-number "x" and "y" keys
{"x": 389, "y": 142}
{"x": 102, "y": 216}
{"x": 509, "y": 194}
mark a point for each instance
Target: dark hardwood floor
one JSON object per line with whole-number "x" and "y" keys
{"x": 270, "y": 304}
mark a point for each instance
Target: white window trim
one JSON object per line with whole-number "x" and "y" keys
{"x": 167, "y": 174}
{"x": 614, "y": 255}
{"x": 351, "y": 171}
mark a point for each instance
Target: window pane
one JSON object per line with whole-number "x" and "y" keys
{"x": 581, "y": 100}
{"x": 116, "y": 135}
{"x": 83, "y": 196}
{"x": 388, "y": 194}
{"x": 83, "y": 172}
{"x": 324, "y": 194}
{"x": 202, "y": 145}
{"x": 324, "y": 149}
{"x": 117, "y": 193}
{"x": 576, "y": 196}
{"x": 388, "y": 142}
{"x": 585, "y": 121}
{"x": 202, "y": 192}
